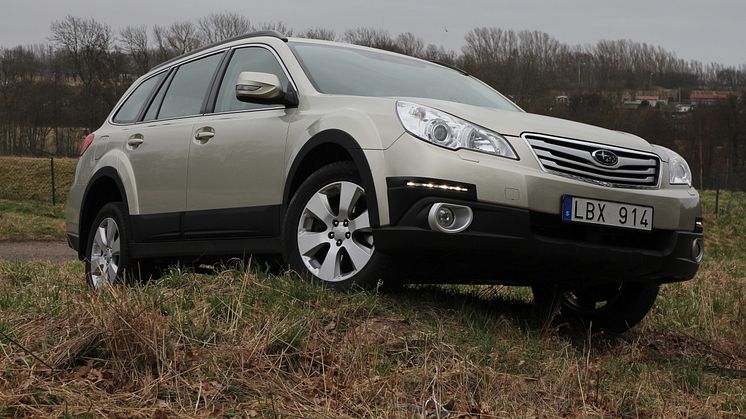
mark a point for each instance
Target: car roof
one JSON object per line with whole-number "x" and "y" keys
{"x": 277, "y": 35}
{"x": 258, "y": 34}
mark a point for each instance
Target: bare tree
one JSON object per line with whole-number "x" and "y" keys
{"x": 279, "y": 27}
{"x": 220, "y": 26}
{"x": 162, "y": 51}
{"x": 85, "y": 42}
{"x": 440, "y": 54}
{"x": 370, "y": 37}
{"x": 86, "y": 45}
{"x": 182, "y": 37}
{"x": 135, "y": 43}
{"x": 408, "y": 43}
{"x": 318, "y": 33}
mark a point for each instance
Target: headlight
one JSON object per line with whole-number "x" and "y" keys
{"x": 448, "y": 131}
{"x": 678, "y": 170}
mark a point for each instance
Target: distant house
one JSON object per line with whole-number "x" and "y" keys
{"x": 652, "y": 96}
{"x": 707, "y": 98}
{"x": 640, "y": 101}
{"x": 633, "y": 100}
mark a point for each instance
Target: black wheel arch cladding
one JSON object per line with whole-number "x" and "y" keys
{"x": 350, "y": 145}
{"x": 88, "y": 212}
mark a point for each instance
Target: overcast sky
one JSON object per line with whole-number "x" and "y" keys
{"x": 706, "y": 30}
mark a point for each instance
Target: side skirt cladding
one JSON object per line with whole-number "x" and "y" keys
{"x": 223, "y": 232}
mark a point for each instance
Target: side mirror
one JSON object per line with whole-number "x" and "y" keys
{"x": 263, "y": 88}
{"x": 252, "y": 86}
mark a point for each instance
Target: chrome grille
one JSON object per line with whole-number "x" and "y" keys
{"x": 574, "y": 159}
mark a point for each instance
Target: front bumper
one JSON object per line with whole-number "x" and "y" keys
{"x": 519, "y": 184}
{"x": 518, "y": 246}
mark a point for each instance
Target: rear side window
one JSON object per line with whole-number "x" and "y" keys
{"x": 130, "y": 110}
{"x": 155, "y": 104}
{"x": 254, "y": 59}
{"x": 189, "y": 87}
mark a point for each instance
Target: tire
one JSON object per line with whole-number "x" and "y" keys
{"x": 107, "y": 259}
{"x": 326, "y": 232}
{"x": 613, "y": 308}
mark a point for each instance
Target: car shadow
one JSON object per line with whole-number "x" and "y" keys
{"x": 510, "y": 306}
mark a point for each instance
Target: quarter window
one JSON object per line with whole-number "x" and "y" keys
{"x": 155, "y": 104}
{"x": 130, "y": 110}
{"x": 189, "y": 87}
{"x": 254, "y": 59}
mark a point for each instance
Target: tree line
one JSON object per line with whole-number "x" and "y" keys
{"x": 52, "y": 94}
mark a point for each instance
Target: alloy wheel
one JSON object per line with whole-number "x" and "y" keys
{"x": 335, "y": 240}
{"x": 105, "y": 254}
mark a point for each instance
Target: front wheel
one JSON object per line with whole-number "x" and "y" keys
{"x": 614, "y": 308}
{"x": 327, "y": 231}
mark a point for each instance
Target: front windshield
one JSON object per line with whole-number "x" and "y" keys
{"x": 343, "y": 70}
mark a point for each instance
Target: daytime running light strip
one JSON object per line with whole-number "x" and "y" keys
{"x": 434, "y": 186}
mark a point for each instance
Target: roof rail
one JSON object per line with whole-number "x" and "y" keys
{"x": 273, "y": 34}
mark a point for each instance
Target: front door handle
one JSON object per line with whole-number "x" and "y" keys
{"x": 135, "y": 140}
{"x": 204, "y": 134}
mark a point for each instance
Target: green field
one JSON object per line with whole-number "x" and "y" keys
{"x": 26, "y": 210}
{"x": 244, "y": 342}
{"x": 31, "y": 220}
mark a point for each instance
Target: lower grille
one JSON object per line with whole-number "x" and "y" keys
{"x": 575, "y": 159}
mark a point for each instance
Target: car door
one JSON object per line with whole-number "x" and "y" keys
{"x": 234, "y": 181}
{"x": 158, "y": 148}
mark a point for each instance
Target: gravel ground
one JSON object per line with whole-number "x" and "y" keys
{"x": 52, "y": 251}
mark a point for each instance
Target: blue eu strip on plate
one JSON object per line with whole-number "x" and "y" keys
{"x": 567, "y": 208}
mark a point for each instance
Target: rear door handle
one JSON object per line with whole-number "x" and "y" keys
{"x": 204, "y": 134}
{"x": 135, "y": 140}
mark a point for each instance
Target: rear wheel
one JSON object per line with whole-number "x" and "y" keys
{"x": 615, "y": 308}
{"x": 108, "y": 260}
{"x": 327, "y": 230}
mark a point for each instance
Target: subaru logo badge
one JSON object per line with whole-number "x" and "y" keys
{"x": 605, "y": 157}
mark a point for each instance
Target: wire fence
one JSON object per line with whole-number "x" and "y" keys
{"x": 36, "y": 178}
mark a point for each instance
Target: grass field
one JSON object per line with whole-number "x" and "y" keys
{"x": 243, "y": 342}
{"x": 31, "y": 220}
{"x": 29, "y": 178}
{"x": 26, "y": 210}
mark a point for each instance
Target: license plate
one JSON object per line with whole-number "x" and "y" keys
{"x": 616, "y": 214}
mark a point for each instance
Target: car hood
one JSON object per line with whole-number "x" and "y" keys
{"x": 516, "y": 123}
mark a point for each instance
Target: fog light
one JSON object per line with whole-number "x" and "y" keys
{"x": 698, "y": 250}
{"x": 449, "y": 218}
{"x": 445, "y": 217}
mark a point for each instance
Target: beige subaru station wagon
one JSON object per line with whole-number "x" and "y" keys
{"x": 360, "y": 166}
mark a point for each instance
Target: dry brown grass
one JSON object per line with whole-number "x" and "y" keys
{"x": 242, "y": 343}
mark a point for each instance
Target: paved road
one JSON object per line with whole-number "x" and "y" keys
{"x": 53, "y": 251}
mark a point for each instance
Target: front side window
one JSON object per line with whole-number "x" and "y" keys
{"x": 254, "y": 59}
{"x": 189, "y": 87}
{"x": 131, "y": 107}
